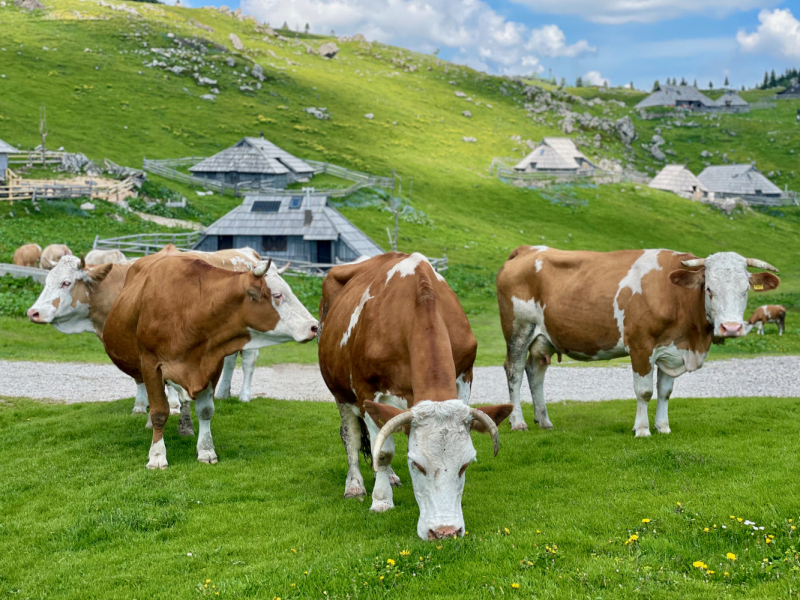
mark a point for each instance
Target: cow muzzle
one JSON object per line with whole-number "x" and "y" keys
{"x": 441, "y": 533}
{"x": 730, "y": 329}
{"x": 34, "y": 316}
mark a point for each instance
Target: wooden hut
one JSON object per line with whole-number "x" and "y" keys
{"x": 679, "y": 180}
{"x": 790, "y": 93}
{"x": 740, "y": 181}
{"x": 556, "y": 156}
{"x": 255, "y": 162}
{"x": 294, "y": 228}
{"x": 679, "y": 96}
{"x": 731, "y": 99}
{"x": 5, "y": 150}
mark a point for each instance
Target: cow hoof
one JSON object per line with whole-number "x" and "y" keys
{"x": 139, "y": 410}
{"x": 207, "y": 456}
{"x": 643, "y": 433}
{"x": 520, "y": 427}
{"x": 380, "y": 507}
{"x": 157, "y": 462}
{"x": 244, "y": 398}
{"x": 663, "y": 429}
{"x": 394, "y": 480}
{"x": 186, "y": 431}
{"x": 157, "y": 466}
{"x": 174, "y": 410}
{"x": 546, "y": 424}
{"x": 355, "y": 492}
{"x": 226, "y": 393}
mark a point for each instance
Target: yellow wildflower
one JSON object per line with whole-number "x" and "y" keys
{"x": 293, "y": 550}
{"x": 710, "y": 572}
{"x": 678, "y": 503}
{"x": 766, "y": 560}
{"x": 438, "y": 547}
{"x": 727, "y": 574}
{"x": 537, "y": 531}
{"x": 730, "y": 556}
{"x": 506, "y": 530}
{"x": 699, "y": 564}
{"x": 405, "y": 553}
{"x": 208, "y": 581}
{"x": 769, "y": 541}
{"x": 390, "y": 562}
{"x": 732, "y": 517}
{"x": 381, "y": 578}
{"x": 705, "y": 529}
{"x": 515, "y": 586}
{"x": 305, "y": 572}
{"x": 645, "y": 520}
{"x": 772, "y": 537}
{"x": 739, "y": 519}
{"x": 790, "y": 520}
{"x": 792, "y": 527}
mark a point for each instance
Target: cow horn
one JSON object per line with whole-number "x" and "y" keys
{"x": 694, "y": 262}
{"x": 82, "y": 263}
{"x": 760, "y": 264}
{"x": 283, "y": 269}
{"x": 262, "y": 268}
{"x": 392, "y": 425}
{"x": 490, "y": 426}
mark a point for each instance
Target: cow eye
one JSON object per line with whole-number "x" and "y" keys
{"x": 278, "y": 297}
{"x": 66, "y": 284}
{"x": 463, "y": 468}
{"x": 418, "y": 467}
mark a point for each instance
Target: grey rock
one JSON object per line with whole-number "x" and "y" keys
{"x": 230, "y": 62}
{"x": 29, "y": 4}
{"x": 460, "y": 95}
{"x": 466, "y": 113}
{"x": 208, "y": 97}
{"x": 705, "y": 154}
{"x": 369, "y": 116}
{"x": 470, "y": 140}
{"x": 319, "y": 113}
{"x": 658, "y": 140}
{"x": 328, "y": 50}
{"x": 258, "y": 72}
{"x": 237, "y": 43}
{"x": 245, "y": 88}
{"x": 87, "y": 206}
{"x": 657, "y": 153}
{"x": 625, "y": 129}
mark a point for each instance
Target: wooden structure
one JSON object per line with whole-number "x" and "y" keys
{"x": 790, "y": 93}
{"x": 740, "y": 181}
{"x": 679, "y": 180}
{"x": 16, "y": 188}
{"x": 559, "y": 156}
{"x": 688, "y": 97}
{"x": 5, "y": 151}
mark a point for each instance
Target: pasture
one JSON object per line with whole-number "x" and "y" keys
{"x": 560, "y": 513}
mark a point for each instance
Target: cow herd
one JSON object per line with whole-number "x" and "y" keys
{"x": 395, "y": 347}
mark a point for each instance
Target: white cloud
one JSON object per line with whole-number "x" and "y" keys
{"x": 594, "y": 78}
{"x": 479, "y": 36}
{"x": 778, "y": 34}
{"x": 642, "y": 11}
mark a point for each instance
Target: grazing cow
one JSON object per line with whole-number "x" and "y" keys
{"x": 178, "y": 318}
{"x": 661, "y": 308}
{"x": 27, "y": 255}
{"x": 52, "y": 254}
{"x": 769, "y": 313}
{"x": 102, "y": 257}
{"x": 396, "y": 350}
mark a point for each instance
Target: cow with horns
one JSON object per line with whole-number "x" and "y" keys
{"x": 179, "y": 317}
{"x": 664, "y": 309}
{"x": 396, "y": 350}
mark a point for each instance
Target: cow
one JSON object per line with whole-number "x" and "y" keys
{"x": 177, "y": 319}
{"x": 396, "y": 351}
{"x": 102, "y": 257}
{"x": 662, "y": 308}
{"x": 27, "y": 255}
{"x": 769, "y": 313}
{"x": 52, "y": 254}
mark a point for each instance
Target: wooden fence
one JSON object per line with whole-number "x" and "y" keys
{"x": 34, "y": 158}
{"x": 167, "y": 168}
{"x": 503, "y": 168}
{"x": 20, "y": 189}
{"x": 147, "y": 243}
{"x": 38, "y": 275}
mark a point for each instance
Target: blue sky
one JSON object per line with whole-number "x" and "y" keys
{"x": 617, "y": 40}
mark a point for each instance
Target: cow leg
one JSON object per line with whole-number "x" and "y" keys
{"x": 249, "y": 358}
{"x": 159, "y": 411}
{"x": 516, "y": 352}
{"x": 204, "y": 409}
{"x": 224, "y": 388}
{"x": 760, "y": 326}
{"x": 781, "y": 324}
{"x": 664, "y": 388}
{"x": 351, "y": 437}
{"x": 535, "y": 368}
{"x": 643, "y": 387}
{"x": 185, "y": 426}
{"x": 174, "y": 401}
{"x": 382, "y": 492}
{"x": 140, "y": 404}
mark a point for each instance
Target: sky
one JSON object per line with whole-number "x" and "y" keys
{"x": 619, "y": 41}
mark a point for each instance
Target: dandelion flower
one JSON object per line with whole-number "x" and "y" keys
{"x": 208, "y": 581}
{"x": 390, "y": 561}
{"x": 740, "y": 519}
{"x": 766, "y": 560}
{"x": 732, "y": 517}
{"x": 792, "y": 527}
{"x": 678, "y": 503}
{"x": 381, "y": 578}
{"x": 768, "y": 540}
{"x": 699, "y": 564}
{"x": 645, "y": 520}
{"x": 730, "y": 556}
{"x": 293, "y": 550}
{"x": 515, "y": 586}
{"x": 506, "y": 530}
{"x": 727, "y": 574}
{"x": 407, "y": 552}
{"x": 705, "y": 529}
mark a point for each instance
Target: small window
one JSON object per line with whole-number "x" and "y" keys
{"x": 273, "y": 243}
{"x": 224, "y": 242}
{"x": 296, "y": 202}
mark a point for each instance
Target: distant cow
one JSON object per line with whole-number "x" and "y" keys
{"x": 769, "y": 313}
{"x": 396, "y": 350}
{"x": 178, "y": 318}
{"x": 661, "y": 308}
{"x": 27, "y": 255}
{"x": 52, "y": 254}
{"x": 102, "y": 257}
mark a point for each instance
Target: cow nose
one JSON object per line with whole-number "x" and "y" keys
{"x": 731, "y": 329}
{"x": 33, "y": 316}
{"x": 315, "y": 330}
{"x": 443, "y": 532}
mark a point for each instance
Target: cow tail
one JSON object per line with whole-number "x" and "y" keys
{"x": 366, "y": 447}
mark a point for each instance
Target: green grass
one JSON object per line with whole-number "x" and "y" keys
{"x": 83, "y": 518}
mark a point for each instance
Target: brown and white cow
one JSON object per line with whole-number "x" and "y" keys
{"x": 27, "y": 255}
{"x": 103, "y": 257}
{"x": 396, "y": 350}
{"x": 52, "y": 254}
{"x": 177, "y": 319}
{"x": 662, "y": 308}
{"x": 769, "y": 313}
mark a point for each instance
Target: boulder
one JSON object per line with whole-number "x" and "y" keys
{"x": 359, "y": 37}
{"x": 73, "y": 163}
{"x": 258, "y": 72}
{"x": 87, "y": 206}
{"x": 369, "y": 116}
{"x": 470, "y": 140}
{"x": 328, "y": 50}
{"x": 208, "y": 97}
{"x": 466, "y": 113}
{"x": 237, "y": 43}
{"x": 29, "y": 4}
{"x": 568, "y": 124}
{"x": 705, "y": 154}
{"x": 319, "y": 113}
{"x": 657, "y": 140}
{"x": 245, "y": 88}
{"x": 657, "y": 153}
{"x": 270, "y": 31}
{"x": 625, "y": 129}
{"x": 460, "y": 95}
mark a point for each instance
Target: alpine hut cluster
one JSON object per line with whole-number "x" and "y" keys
{"x": 689, "y": 98}
{"x": 256, "y": 163}
{"x": 556, "y": 156}
{"x": 719, "y": 182}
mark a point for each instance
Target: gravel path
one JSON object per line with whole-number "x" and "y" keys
{"x": 79, "y": 382}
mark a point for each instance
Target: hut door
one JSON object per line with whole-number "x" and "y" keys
{"x": 324, "y": 252}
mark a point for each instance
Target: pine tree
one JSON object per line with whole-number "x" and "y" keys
{"x": 727, "y": 83}
{"x": 285, "y": 26}
{"x": 695, "y": 83}
{"x": 579, "y": 81}
{"x": 711, "y": 85}
{"x": 308, "y": 28}
{"x": 772, "y": 81}
{"x": 683, "y": 81}
{"x": 632, "y": 88}
{"x": 656, "y": 86}
{"x": 563, "y": 82}
{"x": 766, "y": 81}
{"x": 605, "y": 83}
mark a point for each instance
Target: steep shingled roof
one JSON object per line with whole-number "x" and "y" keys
{"x": 253, "y": 155}
{"x": 730, "y": 99}
{"x": 669, "y": 95}
{"x": 553, "y": 154}
{"x": 7, "y": 148}
{"x": 678, "y": 180}
{"x": 743, "y": 180}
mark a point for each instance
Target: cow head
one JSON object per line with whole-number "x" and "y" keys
{"x": 276, "y": 315}
{"x": 66, "y": 296}
{"x": 726, "y": 281}
{"x": 439, "y": 451}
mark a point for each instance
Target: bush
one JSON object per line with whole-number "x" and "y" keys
{"x": 17, "y": 295}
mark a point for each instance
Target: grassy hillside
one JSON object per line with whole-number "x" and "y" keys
{"x": 102, "y": 100}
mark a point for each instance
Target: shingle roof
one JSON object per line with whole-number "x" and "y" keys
{"x": 7, "y": 148}
{"x": 730, "y": 99}
{"x": 668, "y": 95}
{"x": 737, "y": 179}
{"x": 793, "y": 91}
{"x": 678, "y": 180}
{"x": 253, "y": 155}
{"x": 553, "y": 154}
{"x": 326, "y": 222}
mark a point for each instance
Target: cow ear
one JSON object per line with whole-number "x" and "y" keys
{"x": 497, "y": 413}
{"x": 98, "y": 274}
{"x": 381, "y": 413}
{"x": 688, "y": 279}
{"x": 255, "y": 287}
{"x": 762, "y": 282}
